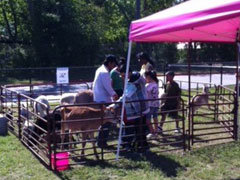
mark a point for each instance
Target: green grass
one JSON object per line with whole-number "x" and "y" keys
{"x": 18, "y": 163}
{"x": 213, "y": 162}
{"x": 205, "y": 161}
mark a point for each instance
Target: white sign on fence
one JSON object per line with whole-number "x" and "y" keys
{"x": 62, "y": 75}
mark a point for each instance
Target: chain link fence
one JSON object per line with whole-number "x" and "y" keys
{"x": 48, "y": 74}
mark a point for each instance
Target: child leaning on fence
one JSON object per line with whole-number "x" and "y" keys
{"x": 134, "y": 129}
{"x": 152, "y": 93}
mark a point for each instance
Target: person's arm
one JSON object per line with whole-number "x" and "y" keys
{"x": 131, "y": 89}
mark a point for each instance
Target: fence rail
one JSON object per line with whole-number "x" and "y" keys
{"x": 44, "y": 136}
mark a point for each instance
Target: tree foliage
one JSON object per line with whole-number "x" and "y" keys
{"x": 81, "y": 32}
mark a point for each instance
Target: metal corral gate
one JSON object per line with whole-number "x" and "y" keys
{"x": 85, "y": 149}
{"x": 46, "y": 143}
{"x": 215, "y": 120}
{"x": 18, "y": 109}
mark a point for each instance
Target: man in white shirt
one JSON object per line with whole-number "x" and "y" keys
{"x": 102, "y": 84}
{"x": 103, "y": 92}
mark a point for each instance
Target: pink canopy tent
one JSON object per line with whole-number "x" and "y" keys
{"x": 191, "y": 21}
{"x": 194, "y": 20}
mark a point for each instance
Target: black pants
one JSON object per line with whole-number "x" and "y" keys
{"x": 103, "y": 133}
{"x": 119, "y": 92}
{"x": 135, "y": 135}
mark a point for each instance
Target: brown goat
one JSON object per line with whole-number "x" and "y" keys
{"x": 86, "y": 120}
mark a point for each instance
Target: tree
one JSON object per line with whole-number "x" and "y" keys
{"x": 15, "y": 46}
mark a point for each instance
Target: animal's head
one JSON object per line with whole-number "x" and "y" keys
{"x": 205, "y": 89}
{"x": 111, "y": 114}
{"x": 53, "y": 117}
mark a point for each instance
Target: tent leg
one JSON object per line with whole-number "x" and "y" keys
{"x": 190, "y": 122}
{"x": 236, "y": 122}
{"x": 124, "y": 99}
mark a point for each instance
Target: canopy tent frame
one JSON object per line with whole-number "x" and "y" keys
{"x": 144, "y": 31}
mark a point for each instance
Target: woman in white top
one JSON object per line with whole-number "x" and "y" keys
{"x": 145, "y": 62}
{"x": 152, "y": 93}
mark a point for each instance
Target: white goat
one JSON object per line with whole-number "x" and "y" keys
{"x": 39, "y": 108}
{"x": 200, "y": 99}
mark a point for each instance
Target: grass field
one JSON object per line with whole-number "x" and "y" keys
{"x": 205, "y": 161}
{"x": 213, "y": 162}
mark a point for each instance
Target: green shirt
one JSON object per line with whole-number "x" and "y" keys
{"x": 117, "y": 81}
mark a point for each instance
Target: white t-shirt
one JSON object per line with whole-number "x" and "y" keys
{"x": 152, "y": 93}
{"x": 102, "y": 85}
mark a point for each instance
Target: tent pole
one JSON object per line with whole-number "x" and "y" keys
{"x": 189, "y": 94}
{"x": 124, "y": 99}
{"x": 236, "y": 130}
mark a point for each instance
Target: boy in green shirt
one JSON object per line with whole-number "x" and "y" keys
{"x": 117, "y": 81}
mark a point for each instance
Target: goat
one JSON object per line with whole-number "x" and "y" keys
{"x": 86, "y": 127}
{"x": 38, "y": 106}
{"x": 200, "y": 100}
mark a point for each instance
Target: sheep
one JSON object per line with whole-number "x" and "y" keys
{"x": 41, "y": 105}
{"x": 85, "y": 96}
{"x": 67, "y": 98}
{"x": 200, "y": 99}
{"x": 86, "y": 126}
{"x": 24, "y": 112}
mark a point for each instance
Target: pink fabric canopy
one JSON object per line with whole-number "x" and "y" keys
{"x": 194, "y": 20}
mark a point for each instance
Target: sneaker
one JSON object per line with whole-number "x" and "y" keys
{"x": 150, "y": 136}
{"x": 159, "y": 130}
{"x": 177, "y": 131}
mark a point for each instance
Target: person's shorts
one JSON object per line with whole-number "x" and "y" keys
{"x": 153, "y": 113}
{"x": 172, "y": 114}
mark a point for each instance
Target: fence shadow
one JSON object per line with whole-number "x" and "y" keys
{"x": 168, "y": 166}
{"x": 163, "y": 163}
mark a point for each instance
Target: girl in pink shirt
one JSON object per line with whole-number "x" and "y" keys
{"x": 152, "y": 93}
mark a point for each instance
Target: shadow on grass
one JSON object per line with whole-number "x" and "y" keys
{"x": 178, "y": 140}
{"x": 167, "y": 165}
